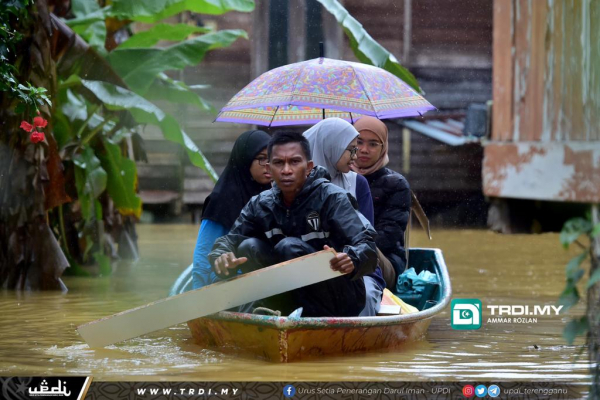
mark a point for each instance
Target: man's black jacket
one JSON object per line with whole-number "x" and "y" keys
{"x": 322, "y": 214}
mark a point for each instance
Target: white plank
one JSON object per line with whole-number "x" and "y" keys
{"x": 280, "y": 278}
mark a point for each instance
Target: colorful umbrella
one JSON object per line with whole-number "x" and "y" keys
{"x": 309, "y": 91}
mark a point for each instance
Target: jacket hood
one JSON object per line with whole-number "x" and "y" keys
{"x": 319, "y": 172}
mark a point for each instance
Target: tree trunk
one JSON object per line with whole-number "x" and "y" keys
{"x": 31, "y": 179}
{"x": 593, "y": 310}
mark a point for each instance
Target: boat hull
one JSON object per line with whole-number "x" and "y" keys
{"x": 295, "y": 344}
{"x": 287, "y": 339}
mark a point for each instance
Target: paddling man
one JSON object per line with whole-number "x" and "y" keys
{"x": 301, "y": 214}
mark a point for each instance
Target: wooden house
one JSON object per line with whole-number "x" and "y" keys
{"x": 447, "y": 45}
{"x": 545, "y": 143}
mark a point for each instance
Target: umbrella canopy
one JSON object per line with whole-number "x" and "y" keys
{"x": 309, "y": 91}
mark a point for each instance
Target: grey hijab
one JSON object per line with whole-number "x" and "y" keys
{"x": 328, "y": 140}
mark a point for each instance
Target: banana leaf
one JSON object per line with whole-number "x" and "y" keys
{"x": 173, "y": 32}
{"x": 139, "y": 67}
{"x": 90, "y": 180}
{"x": 79, "y": 58}
{"x": 94, "y": 32}
{"x": 150, "y": 11}
{"x": 121, "y": 182}
{"x": 144, "y": 112}
{"x": 165, "y": 88}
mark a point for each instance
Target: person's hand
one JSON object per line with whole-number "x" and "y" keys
{"x": 341, "y": 262}
{"x": 227, "y": 261}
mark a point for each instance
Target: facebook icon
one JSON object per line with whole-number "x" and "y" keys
{"x": 289, "y": 391}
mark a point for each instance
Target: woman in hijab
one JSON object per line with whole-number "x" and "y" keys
{"x": 333, "y": 146}
{"x": 391, "y": 195}
{"x": 245, "y": 175}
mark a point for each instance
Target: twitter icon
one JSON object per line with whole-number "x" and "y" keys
{"x": 494, "y": 391}
{"x": 480, "y": 391}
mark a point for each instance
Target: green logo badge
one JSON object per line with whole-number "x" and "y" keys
{"x": 465, "y": 314}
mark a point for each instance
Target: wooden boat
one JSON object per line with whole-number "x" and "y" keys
{"x": 287, "y": 339}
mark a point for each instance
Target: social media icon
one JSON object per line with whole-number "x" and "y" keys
{"x": 465, "y": 314}
{"x": 480, "y": 391}
{"x": 468, "y": 390}
{"x": 493, "y": 391}
{"x": 289, "y": 391}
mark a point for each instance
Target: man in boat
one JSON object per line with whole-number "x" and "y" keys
{"x": 301, "y": 214}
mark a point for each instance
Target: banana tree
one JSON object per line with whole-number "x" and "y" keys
{"x": 84, "y": 175}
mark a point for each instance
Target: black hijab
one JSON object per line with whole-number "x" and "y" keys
{"x": 236, "y": 186}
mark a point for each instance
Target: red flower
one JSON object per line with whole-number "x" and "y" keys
{"x": 36, "y": 137}
{"x": 26, "y": 126}
{"x": 40, "y": 122}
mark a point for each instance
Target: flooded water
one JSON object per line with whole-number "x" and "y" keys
{"x": 38, "y": 335}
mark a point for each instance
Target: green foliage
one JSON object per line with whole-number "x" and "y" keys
{"x": 30, "y": 97}
{"x": 90, "y": 180}
{"x": 595, "y": 231}
{"x": 94, "y": 33}
{"x": 572, "y": 230}
{"x": 97, "y": 123}
{"x": 575, "y": 327}
{"x": 165, "y": 88}
{"x": 595, "y": 278}
{"x": 365, "y": 48}
{"x": 139, "y": 67}
{"x": 122, "y": 179}
{"x": 156, "y": 10}
{"x": 150, "y": 11}
{"x": 103, "y": 262}
{"x": 160, "y": 32}
{"x": 144, "y": 112}
{"x": 85, "y": 20}
{"x": 81, "y": 8}
{"x": 572, "y": 270}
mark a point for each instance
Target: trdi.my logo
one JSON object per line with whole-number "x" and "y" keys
{"x": 465, "y": 314}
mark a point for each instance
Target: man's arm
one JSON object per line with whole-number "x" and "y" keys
{"x": 354, "y": 231}
{"x": 393, "y": 218}
{"x": 222, "y": 257}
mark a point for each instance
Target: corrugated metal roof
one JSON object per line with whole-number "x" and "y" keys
{"x": 444, "y": 129}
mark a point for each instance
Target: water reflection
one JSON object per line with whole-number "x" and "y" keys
{"x": 39, "y": 336}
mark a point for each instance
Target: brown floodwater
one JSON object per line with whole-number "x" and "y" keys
{"x": 38, "y": 335}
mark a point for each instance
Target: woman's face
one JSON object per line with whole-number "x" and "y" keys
{"x": 369, "y": 149}
{"x": 260, "y": 172}
{"x": 347, "y": 158}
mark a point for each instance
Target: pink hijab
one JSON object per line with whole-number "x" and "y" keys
{"x": 374, "y": 125}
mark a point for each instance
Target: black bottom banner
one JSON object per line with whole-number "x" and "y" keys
{"x": 18, "y": 388}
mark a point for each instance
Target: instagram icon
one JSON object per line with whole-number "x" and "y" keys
{"x": 468, "y": 391}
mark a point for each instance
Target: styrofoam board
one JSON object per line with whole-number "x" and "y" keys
{"x": 256, "y": 285}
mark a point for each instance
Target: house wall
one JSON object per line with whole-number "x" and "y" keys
{"x": 546, "y": 115}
